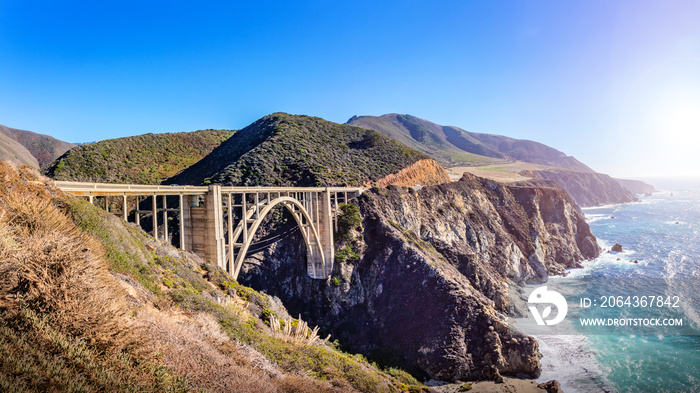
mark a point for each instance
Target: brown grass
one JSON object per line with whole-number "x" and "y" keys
{"x": 66, "y": 323}
{"x": 213, "y": 362}
{"x": 53, "y": 267}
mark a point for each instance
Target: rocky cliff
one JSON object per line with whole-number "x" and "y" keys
{"x": 636, "y": 186}
{"x": 424, "y": 279}
{"x": 587, "y": 188}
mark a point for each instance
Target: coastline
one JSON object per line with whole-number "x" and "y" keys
{"x": 509, "y": 384}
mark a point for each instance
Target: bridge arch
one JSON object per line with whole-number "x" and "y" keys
{"x": 317, "y": 263}
{"x": 202, "y": 224}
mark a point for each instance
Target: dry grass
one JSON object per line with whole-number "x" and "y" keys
{"x": 53, "y": 267}
{"x": 295, "y": 332}
{"x": 214, "y": 363}
{"x": 68, "y": 324}
{"x": 63, "y": 322}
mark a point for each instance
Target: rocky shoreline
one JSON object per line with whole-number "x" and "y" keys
{"x": 424, "y": 281}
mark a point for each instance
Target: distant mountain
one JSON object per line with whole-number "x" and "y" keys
{"x": 142, "y": 159}
{"x": 587, "y": 188}
{"x": 283, "y": 149}
{"x": 452, "y": 146}
{"x": 637, "y": 186}
{"x": 42, "y": 148}
{"x": 444, "y": 144}
{"x": 13, "y": 151}
{"x": 449, "y": 145}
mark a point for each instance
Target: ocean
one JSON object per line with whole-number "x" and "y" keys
{"x": 662, "y": 234}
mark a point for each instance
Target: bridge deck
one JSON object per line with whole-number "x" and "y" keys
{"x": 109, "y": 189}
{"x": 205, "y": 229}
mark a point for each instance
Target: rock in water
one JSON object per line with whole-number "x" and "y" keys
{"x": 616, "y": 248}
{"x": 551, "y": 386}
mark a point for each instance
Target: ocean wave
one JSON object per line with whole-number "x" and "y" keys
{"x": 568, "y": 359}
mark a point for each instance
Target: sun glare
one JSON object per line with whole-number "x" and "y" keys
{"x": 681, "y": 120}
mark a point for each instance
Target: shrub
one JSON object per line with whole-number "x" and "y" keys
{"x": 348, "y": 219}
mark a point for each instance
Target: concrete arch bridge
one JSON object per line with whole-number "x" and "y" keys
{"x": 218, "y": 223}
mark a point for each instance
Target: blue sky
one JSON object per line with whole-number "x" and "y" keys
{"x": 613, "y": 83}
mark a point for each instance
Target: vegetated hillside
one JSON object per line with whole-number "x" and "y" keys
{"x": 448, "y": 144}
{"x": 588, "y": 189}
{"x": 89, "y": 303}
{"x": 445, "y": 144}
{"x": 423, "y": 279}
{"x": 141, "y": 159}
{"x": 13, "y": 151}
{"x": 43, "y": 147}
{"x": 283, "y": 149}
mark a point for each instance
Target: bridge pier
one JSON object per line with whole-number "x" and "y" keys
{"x": 224, "y": 240}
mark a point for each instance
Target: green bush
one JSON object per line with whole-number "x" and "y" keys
{"x": 348, "y": 219}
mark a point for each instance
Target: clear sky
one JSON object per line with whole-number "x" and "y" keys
{"x": 613, "y": 83}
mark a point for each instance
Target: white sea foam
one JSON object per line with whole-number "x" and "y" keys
{"x": 590, "y": 218}
{"x": 567, "y": 359}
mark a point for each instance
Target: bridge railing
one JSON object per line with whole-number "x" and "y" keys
{"x": 205, "y": 229}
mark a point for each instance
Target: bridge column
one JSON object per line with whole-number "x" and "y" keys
{"x": 125, "y": 208}
{"x": 215, "y": 243}
{"x": 316, "y": 268}
{"x": 155, "y": 216}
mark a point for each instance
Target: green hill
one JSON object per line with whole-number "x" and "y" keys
{"x": 283, "y": 149}
{"x": 429, "y": 138}
{"x": 452, "y": 146}
{"x": 142, "y": 159}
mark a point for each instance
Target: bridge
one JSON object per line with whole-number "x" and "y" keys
{"x": 219, "y": 223}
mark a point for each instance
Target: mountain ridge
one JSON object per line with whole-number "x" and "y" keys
{"x": 297, "y": 150}
{"x": 430, "y": 136}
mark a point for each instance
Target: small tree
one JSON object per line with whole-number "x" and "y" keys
{"x": 348, "y": 219}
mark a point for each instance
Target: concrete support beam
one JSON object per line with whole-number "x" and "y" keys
{"x": 214, "y": 248}
{"x": 155, "y": 216}
{"x": 230, "y": 260}
{"x": 325, "y": 230}
{"x": 125, "y": 208}
{"x": 165, "y": 217}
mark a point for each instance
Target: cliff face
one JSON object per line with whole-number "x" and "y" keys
{"x": 587, "y": 188}
{"x": 424, "y": 281}
{"x": 636, "y": 186}
{"x": 423, "y": 172}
